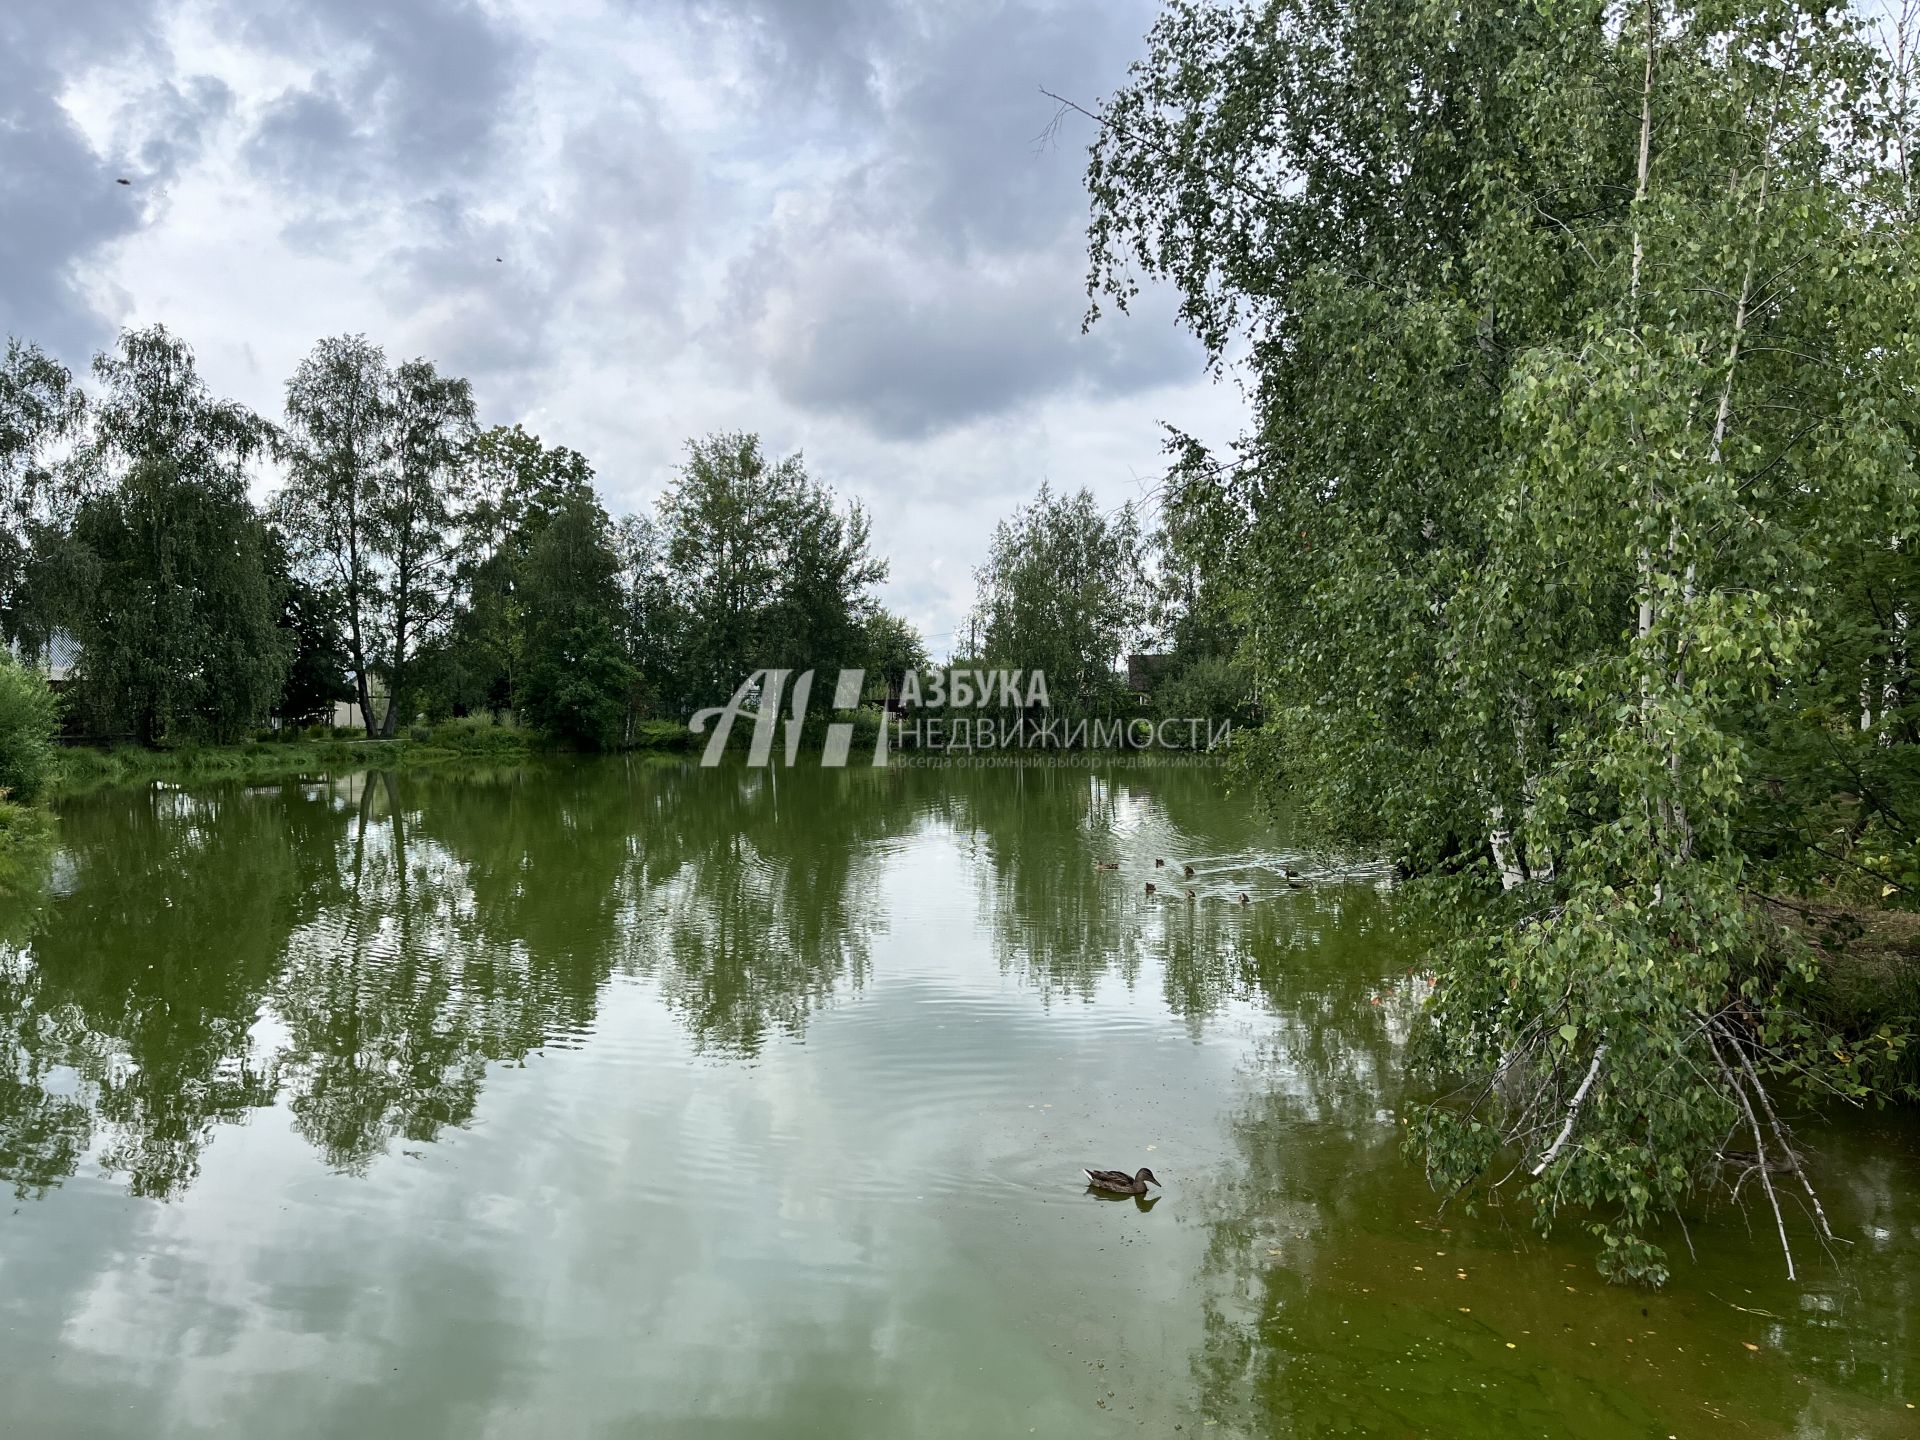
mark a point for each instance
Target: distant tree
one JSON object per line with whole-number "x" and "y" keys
{"x": 890, "y": 648}
{"x": 432, "y": 423}
{"x": 310, "y": 618}
{"x": 578, "y": 684}
{"x": 337, "y": 445}
{"x": 769, "y": 569}
{"x": 177, "y": 612}
{"x": 1196, "y": 593}
{"x": 1062, "y": 591}
{"x": 39, "y": 407}
{"x": 822, "y": 617}
{"x": 653, "y": 617}
{"x": 514, "y": 486}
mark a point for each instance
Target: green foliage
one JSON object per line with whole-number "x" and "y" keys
{"x": 408, "y": 557}
{"x": 39, "y": 406}
{"x": 29, "y": 720}
{"x": 310, "y": 620}
{"x": 579, "y": 684}
{"x": 375, "y": 456}
{"x": 890, "y": 649}
{"x": 752, "y": 564}
{"x": 1063, "y": 592}
{"x": 172, "y": 599}
{"x": 1211, "y": 687}
{"x": 1575, "y": 531}
{"x": 410, "y": 523}
{"x": 515, "y": 485}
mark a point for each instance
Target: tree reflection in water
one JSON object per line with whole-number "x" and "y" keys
{"x": 362, "y": 948}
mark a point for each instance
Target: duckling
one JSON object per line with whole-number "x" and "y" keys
{"x": 1243, "y": 898}
{"x": 1106, "y": 864}
{"x": 1190, "y": 897}
{"x": 1150, "y": 888}
{"x": 1159, "y": 864}
{"x": 1188, "y": 871}
{"x": 1290, "y": 873}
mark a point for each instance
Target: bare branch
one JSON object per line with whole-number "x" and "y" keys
{"x": 1759, "y": 1149}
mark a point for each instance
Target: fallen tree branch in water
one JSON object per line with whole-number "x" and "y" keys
{"x": 1759, "y": 1145}
{"x": 1786, "y": 1146}
{"x": 1573, "y": 1112}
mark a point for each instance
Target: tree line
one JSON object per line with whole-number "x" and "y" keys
{"x": 409, "y": 561}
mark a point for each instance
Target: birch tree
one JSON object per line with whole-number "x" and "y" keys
{"x": 1581, "y": 346}
{"x": 337, "y": 446}
{"x": 432, "y": 424}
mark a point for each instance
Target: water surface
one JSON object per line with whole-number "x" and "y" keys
{"x": 632, "y": 1099}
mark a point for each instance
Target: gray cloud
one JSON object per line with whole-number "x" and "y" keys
{"x": 940, "y": 281}
{"x": 904, "y": 255}
{"x": 58, "y": 196}
{"x": 909, "y": 348}
{"x": 831, "y": 51}
{"x": 414, "y": 93}
{"x": 605, "y": 247}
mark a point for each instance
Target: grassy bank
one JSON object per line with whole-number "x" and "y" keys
{"x": 80, "y": 768}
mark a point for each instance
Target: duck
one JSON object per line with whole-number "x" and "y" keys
{"x": 1189, "y": 871}
{"x": 1118, "y": 1182}
{"x": 1159, "y": 864}
{"x": 1150, "y": 887}
{"x": 1243, "y": 898}
{"x": 1190, "y": 895}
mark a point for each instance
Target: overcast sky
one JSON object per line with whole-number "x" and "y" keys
{"x": 627, "y": 221}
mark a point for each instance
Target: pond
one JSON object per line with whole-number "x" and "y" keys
{"x": 635, "y": 1099}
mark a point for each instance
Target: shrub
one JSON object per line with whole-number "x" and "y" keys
{"x": 1213, "y": 688}
{"x": 480, "y": 735}
{"x": 29, "y": 719}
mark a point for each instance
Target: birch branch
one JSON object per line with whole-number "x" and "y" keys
{"x": 1786, "y": 1145}
{"x": 1573, "y": 1113}
{"x": 1759, "y": 1149}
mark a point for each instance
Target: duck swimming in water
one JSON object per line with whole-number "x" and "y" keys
{"x": 1118, "y": 1182}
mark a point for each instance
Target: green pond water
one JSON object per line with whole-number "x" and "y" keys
{"x": 635, "y": 1099}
